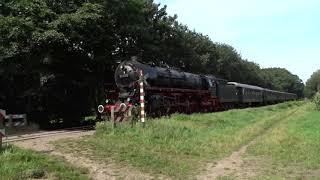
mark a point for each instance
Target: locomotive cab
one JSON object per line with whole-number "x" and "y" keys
{"x": 211, "y": 85}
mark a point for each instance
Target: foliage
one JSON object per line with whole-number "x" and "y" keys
{"x": 181, "y": 145}
{"x": 316, "y": 100}
{"x": 282, "y": 79}
{"x": 313, "y": 84}
{"x": 24, "y": 164}
{"x": 56, "y": 56}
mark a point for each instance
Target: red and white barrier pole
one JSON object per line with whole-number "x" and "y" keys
{"x": 142, "y": 104}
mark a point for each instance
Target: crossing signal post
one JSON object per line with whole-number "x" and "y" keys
{"x": 121, "y": 113}
{"x": 142, "y": 104}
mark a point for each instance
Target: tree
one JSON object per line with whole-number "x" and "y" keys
{"x": 72, "y": 46}
{"x": 282, "y": 80}
{"x": 19, "y": 58}
{"x": 313, "y": 84}
{"x": 60, "y": 43}
{"x": 56, "y": 56}
{"x": 316, "y": 100}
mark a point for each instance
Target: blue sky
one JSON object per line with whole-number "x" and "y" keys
{"x": 272, "y": 33}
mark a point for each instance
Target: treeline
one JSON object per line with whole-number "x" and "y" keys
{"x": 56, "y": 56}
{"x": 313, "y": 84}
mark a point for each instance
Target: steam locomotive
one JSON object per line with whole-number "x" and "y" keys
{"x": 168, "y": 90}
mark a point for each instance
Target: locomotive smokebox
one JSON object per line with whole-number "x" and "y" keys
{"x": 126, "y": 74}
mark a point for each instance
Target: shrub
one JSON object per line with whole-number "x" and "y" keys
{"x": 316, "y": 100}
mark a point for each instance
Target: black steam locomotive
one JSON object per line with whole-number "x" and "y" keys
{"x": 168, "y": 90}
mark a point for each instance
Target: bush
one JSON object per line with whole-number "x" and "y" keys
{"x": 316, "y": 100}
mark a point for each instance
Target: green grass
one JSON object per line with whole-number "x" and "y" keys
{"x": 294, "y": 144}
{"x": 180, "y": 145}
{"x": 24, "y": 164}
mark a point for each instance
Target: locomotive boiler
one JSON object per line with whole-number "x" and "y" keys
{"x": 127, "y": 74}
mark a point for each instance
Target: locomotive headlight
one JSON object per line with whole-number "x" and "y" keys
{"x": 128, "y": 99}
{"x": 107, "y": 101}
{"x": 100, "y": 109}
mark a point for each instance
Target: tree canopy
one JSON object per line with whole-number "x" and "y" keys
{"x": 313, "y": 84}
{"x": 282, "y": 79}
{"x": 56, "y": 56}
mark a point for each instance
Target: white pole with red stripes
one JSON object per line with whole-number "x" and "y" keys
{"x": 142, "y": 104}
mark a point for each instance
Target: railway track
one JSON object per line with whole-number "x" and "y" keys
{"x": 43, "y": 134}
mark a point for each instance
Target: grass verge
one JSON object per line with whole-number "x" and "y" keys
{"x": 178, "y": 146}
{"x": 292, "y": 148}
{"x": 24, "y": 164}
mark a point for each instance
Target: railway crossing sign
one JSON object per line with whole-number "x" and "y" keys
{"x": 121, "y": 112}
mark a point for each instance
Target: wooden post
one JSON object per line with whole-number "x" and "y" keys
{"x": 10, "y": 122}
{"x": 25, "y": 122}
{"x": 2, "y": 130}
{"x": 0, "y": 142}
{"x": 113, "y": 117}
{"x": 2, "y": 135}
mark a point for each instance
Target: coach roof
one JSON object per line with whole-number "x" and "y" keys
{"x": 245, "y": 86}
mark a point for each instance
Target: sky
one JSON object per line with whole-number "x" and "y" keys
{"x": 271, "y": 33}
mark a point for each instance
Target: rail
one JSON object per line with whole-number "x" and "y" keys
{"x": 43, "y": 134}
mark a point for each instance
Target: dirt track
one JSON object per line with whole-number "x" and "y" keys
{"x": 102, "y": 171}
{"x": 97, "y": 170}
{"x": 226, "y": 166}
